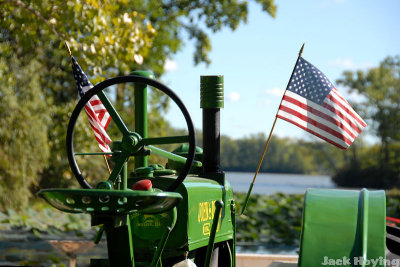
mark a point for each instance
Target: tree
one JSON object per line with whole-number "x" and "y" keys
{"x": 284, "y": 155}
{"x": 108, "y": 38}
{"x": 377, "y": 166}
{"x": 380, "y": 88}
{"x": 24, "y": 148}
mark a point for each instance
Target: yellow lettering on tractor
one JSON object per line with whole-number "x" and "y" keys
{"x": 206, "y": 215}
{"x": 149, "y": 221}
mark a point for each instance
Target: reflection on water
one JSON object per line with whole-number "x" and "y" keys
{"x": 259, "y": 249}
{"x": 25, "y": 248}
{"x": 270, "y": 183}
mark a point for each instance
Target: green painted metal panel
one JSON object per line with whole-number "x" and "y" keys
{"x": 201, "y": 209}
{"x": 344, "y": 227}
{"x": 194, "y": 218}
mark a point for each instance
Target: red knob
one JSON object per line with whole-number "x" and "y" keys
{"x": 143, "y": 185}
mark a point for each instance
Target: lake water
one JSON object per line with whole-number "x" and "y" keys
{"x": 270, "y": 183}
{"x": 17, "y": 246}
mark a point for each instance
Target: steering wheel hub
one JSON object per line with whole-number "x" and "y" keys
{"x": 131, "y": 142}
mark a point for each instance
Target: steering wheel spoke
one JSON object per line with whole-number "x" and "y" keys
{"x": 113, "y": 113}
{"x": 166, "y": 140}
{"x": 132, "y": 143}
{"x": 95, "y": 153}
{"x": 172, "y": 156}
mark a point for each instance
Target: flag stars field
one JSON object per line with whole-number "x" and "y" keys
{"x": 312, "y": 103}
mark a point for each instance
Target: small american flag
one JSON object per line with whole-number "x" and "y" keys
{"x": 312, "y": 103}
{"x": 97, "y": 114}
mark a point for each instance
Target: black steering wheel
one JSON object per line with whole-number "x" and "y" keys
{"x": 132, "y": 142}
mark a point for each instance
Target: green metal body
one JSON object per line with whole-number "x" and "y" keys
{"x": 343, "y": 223}
{"x": 195, "y": 214}
{"x": 140, "y": 101}
{"x": 153, "y": 227}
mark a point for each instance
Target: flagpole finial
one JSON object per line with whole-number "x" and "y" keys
{"x": 301, "y": 49}
{"x": 69, "y": 50}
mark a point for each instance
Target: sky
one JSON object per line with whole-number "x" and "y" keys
{"x": 258, "y": 58}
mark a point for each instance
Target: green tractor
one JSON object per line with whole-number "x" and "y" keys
{"x": 157, "y": 216}
{"x": 184, "y": 212}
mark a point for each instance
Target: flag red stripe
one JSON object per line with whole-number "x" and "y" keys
{"x": 93, "y": 115}
{"x": 99, "y": 140}
{"x": 98, "y": 107}
{"x": 346, "y": 109}
{"x": 106, "y": 149}
{"x": 96, "y": 123}
{"x": 105, "y": 119}
{"x": 312, "y": 132}
{"x": 100, "y": 114}
{"x": 107, "y": 122}
{"x": 100, "y": 110}
{"x": 95, "y": 101}
{"x": 343, "y": 117}
{"x": 336, "y": 93}
{"x": 319, "y": 114}
{"x": 105, "y": 139}
{"x": 102, "y": 145}
{"x": 316, "y": 124}
{"x": 91, "y": 112}
{"x": 98, "y": 133}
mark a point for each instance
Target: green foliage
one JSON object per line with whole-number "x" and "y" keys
{"x": 270, "y": 219}
{"x": 393, "y": 206}
{"x": 108, "y": 38}
{"x": 215, "y": 15}
{"x": 372, "y": 177}
{"x": 40, "y": 218}
{"x": 380, "y": 88}
{"x": 284, "y": 155}
{"x": 376, "y": 165}
{"x": 24, "y": 147}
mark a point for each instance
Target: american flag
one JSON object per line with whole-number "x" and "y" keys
{"x": 97, "y": 114}
{"x": 312, "y": 103}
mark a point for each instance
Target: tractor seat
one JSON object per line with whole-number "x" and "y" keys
{"x": 110, "y": 202}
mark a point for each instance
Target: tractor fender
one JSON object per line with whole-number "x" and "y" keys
{"x": 343, "y": 227}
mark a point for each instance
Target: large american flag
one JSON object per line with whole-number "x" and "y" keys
{"x": 97, "y": 114}
{"x": 312, "y": 103}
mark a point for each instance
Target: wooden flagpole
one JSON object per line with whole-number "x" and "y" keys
{"x": 269, "y": 138}
{"x": 104, "y": 156}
